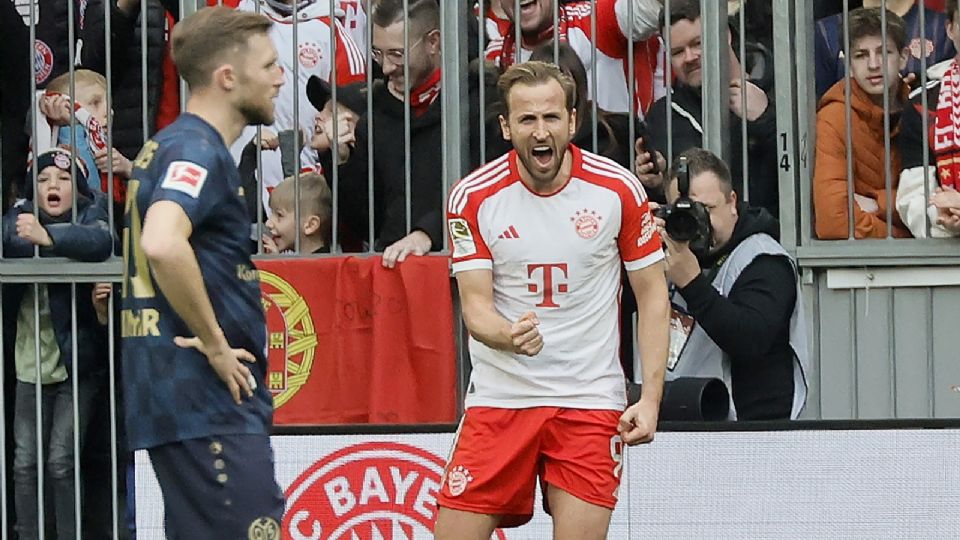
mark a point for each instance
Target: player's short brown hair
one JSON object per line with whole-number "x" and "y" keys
{"x": 951, "y": 9}
{"x": 61, "y": 84}
{"x": 866, "y": 22}
{"x": 535, "y": 73}
{"x": 315, "y": 197}
{"x": 204, "y": 40}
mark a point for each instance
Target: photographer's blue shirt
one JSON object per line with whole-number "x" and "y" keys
{"x": 172, "y": 394}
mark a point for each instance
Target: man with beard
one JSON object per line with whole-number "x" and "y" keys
{"x": 687, "y": 115}
{"x": 397, "y": 234}
{"x": 193, "y": 328}
{"x": 539, "y": 236}
{"x": 574, "y": 26}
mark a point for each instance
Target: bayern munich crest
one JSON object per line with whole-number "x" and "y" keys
{"x": 42, "y": 61}
{"x": 458, "y": 479}
{"x": 309, "y": 55}
{"x": 367, "y": 491}
{"x": 587, "y": 223}
{"x": 291, "y": 338}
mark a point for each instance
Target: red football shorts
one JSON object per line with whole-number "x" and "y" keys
{"x": 498, "y": 454}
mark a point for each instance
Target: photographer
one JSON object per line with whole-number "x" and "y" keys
{"x": 735, "y": 293}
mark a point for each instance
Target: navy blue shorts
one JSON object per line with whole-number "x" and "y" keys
{"x": 219, "y": 487}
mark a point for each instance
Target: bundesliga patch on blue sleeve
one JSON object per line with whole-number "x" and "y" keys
{"x": 185, "y": 177}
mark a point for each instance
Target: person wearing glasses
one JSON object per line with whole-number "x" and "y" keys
{"x": 407, "y": 48}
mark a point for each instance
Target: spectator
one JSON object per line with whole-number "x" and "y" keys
{"x": 351, "y": 105}
{"x": 687, "y": 115}
{"x": 743, "y": 294}
{"x": 88, "y": 238}
{"x": 313, "y": 200}
{"x": 939, "y": 174}
{"x": 828, "y": 42}
{"x": 315, "y": 55}
{"x": 425, "y": 232}
{"x": 612, "y": 44}
{"x": 869, "y": 74}
{"x": 89, "y": 108}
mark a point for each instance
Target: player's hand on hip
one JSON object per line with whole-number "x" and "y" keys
{"x": 415, "y": 243}
{"x": 638, "y": 424}
{"x": 228, "y": 363}
{"x": 525, "y": 335}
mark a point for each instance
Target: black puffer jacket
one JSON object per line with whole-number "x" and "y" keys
{"x": 126, "y": 68}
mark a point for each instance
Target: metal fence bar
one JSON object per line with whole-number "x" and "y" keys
{"x": 925, "y": 118}
{"x": 848, "y": 119}
{"x": 38, "y": 411}
{"x": 108, "y": 64}
{"x": 407, "y": 174}
{"x": 517, "y": 33}
{"x": 4, "y": 514}
{"x": 371, "y": 208}
{"x": 294, "y": 49}
{"x": 887, "y": 167}
{"x": 334, "y": 143}
{"x": 593, "y": 73}
{"x": 668, "y": 81}
{"x": 72, "y": 76}
{"x": 744, "y": 144}
{"x": 632, "y": 112}
{"x": 716, "y": 74}
{"x": 75, "y": 401}
{"x": 481, "y": 78}
{"x": 793, "y": 126}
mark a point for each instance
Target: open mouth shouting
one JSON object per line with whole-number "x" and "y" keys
{"x": 543, "y": 155}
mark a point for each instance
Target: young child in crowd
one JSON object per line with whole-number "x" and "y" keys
{"x": 315, "y": 216}
{"x": 870, "y": 79}
{"x": 46, "y": 220}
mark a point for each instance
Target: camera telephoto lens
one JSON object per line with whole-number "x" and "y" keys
{"x": 682, "y": 226}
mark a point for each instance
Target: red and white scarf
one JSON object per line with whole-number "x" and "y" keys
{"x": 423, "y": 96}
{"x": 508, "y": 53}
{"x": 946, "y": 133}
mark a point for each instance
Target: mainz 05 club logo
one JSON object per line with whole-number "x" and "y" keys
{"x": 291, "y": 338}
{"x": 369, "y": 491}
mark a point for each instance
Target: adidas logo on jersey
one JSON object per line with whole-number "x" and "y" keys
{"x": 510, "y": 233}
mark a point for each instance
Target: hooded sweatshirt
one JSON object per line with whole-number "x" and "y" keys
{"x": 752, "y": 323}
{"x": 869, "y": 167}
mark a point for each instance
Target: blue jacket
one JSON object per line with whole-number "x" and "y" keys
{"x": 89, "y": 240}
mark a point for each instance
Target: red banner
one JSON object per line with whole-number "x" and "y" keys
{"x": 350, "y": 341}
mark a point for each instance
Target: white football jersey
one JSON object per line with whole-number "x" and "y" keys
{"x": 312, "y": 57}
{"x": 613, "y": 52}
{"x": 558, "y": 256}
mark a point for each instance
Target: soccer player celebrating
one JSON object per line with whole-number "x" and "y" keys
{"x": 194, "y": 335}
{"x": 538, "y": 237}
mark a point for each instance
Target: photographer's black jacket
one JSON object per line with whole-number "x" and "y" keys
{"x": 751, "y": 324}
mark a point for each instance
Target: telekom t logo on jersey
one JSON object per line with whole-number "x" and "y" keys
{"x": 544, "y": 281}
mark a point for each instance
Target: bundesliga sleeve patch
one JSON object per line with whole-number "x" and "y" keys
{"x": 185, "y": 177}
{"x": 462, "y": 238}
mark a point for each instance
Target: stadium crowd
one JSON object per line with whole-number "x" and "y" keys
{"x": 870, "y": 144}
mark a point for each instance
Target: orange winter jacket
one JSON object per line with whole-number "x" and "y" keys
{"x": 869, "y": 180}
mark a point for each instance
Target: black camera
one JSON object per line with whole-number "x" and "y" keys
{"x": 686, "y": 220}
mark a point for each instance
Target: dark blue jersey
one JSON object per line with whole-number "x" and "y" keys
{"x": 828, "y": 44}
{"x": 173, "y": 394}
